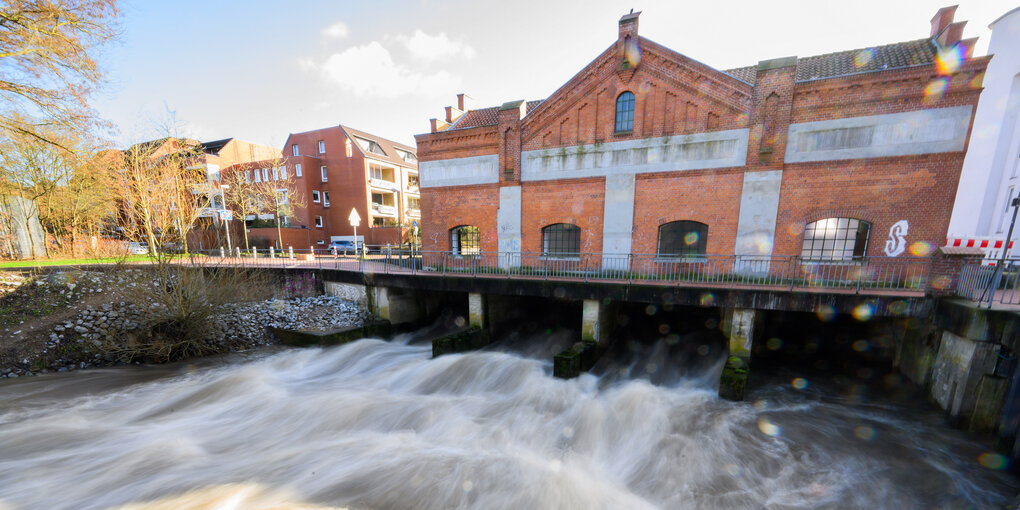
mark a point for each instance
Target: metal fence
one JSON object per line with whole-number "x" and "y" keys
{"x": 990, "y": 284}
{"x": 869, "y": 274}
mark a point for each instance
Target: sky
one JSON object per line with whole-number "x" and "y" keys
{"x": 261, "y": 69}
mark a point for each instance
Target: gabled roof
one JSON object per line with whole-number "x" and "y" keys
{"x": 488, "y": 116}
{"x": 862, "y": 60}
{"x": 216, "y": 146}
{"x": 389, "y": 147}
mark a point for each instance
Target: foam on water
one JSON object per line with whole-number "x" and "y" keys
{"x": 380, "y": 425}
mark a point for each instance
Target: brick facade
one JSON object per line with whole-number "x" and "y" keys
{"x": 876, "y": 134}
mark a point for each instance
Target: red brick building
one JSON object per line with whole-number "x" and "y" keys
{"x": 647, "y": 151}
{"x": 340, "y": 168}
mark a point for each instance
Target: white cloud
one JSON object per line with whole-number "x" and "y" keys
{"x": 369, "y": 70}
{"x": 337, "y": 30}
{"x": 432, "y": 47}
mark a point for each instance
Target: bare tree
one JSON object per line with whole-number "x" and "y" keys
{"x": 49, "y": 71}
{"x": 250, "y": 193}
{"x": 162, "y": 191}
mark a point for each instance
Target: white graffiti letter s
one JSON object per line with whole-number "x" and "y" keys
{"x": 897, "y": 243}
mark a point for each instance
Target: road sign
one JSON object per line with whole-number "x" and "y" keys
{"x": 414, "y": 223}
{"x": 226, "y": 214}
{"x": 354, "y": 218}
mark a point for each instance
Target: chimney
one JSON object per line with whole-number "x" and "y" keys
{"x": 463, "y": 102}
{"x": 629, "y": 25}
{"x": 438, "y": 125}
{"x": 452, "y": 114}
{"x": 942, "y": 19}
{"x": 951, "y": 34}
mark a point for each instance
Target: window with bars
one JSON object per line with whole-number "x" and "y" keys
{"x": 561, "y": 239}
{"x": 836, "y": 239}
{"x": 682, "y": 239}
{"x": 465, "y": 240}
{"x": 625, "y": 112}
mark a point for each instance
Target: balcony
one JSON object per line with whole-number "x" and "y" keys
{"x": 412, "y": 188}
{"x": 413, "y": 213}
{"x": 384, "y": 210}
{"x": 383, "y": 184}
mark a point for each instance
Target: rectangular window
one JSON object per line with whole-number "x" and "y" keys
{"x": 258, "y": 175}
{"x": 247, "y": 176}
{"x": 276, "y": 174}
{"x": 325, "y": 199}
{"x": 413, "y": 203}
{"x": 282, "y": 197}
{"x": 315, "y": 196}
{"x": 283, "y": 172}
{"x": 294, "y": 149}
{"x": 265, "y": 174}
{"x": 325, "y": 177}
{"x": 322, "y": 146}
{"x": 297, "y": 170}
{"x": 320, "y": 241}
{"x": 318, "y": 221}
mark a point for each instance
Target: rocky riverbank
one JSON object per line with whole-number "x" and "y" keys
{"x": 72, "y": 320}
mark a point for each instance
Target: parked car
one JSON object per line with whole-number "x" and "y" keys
{"x": 134, "y": 248}
{"x": 343, "y": 247}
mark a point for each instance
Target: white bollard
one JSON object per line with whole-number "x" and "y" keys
{"x": 222, "y": 254}
{"x": 290, "y": 252}
{"x": 254, "y": 252}
{"x": 272, "y": 252}
{"x": 237, "y": 250}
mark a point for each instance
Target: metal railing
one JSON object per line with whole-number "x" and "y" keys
{"x": 990, "y": 284}
{"x": 872, "y": 275}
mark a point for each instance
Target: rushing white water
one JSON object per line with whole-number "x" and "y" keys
{"x": 380, "y": 425}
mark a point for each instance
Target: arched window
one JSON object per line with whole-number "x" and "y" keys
{"x": 561, "y": 239}
{"x": 836, "y": 239}
{"x": 625, "y": 112}
{"x": 682, "y": 239}
{"x": 465, "y": 240}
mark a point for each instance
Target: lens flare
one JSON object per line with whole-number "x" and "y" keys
{"x": 774, "y": 344}
{"x": 703, "y": 350}
{"x": 864, "y": 432}
{"x": 948, "y": 60}
{"x": 922, "y": 249}
{"x": 663, "y": 329}
{"x": 861, "y": 346}
{"x": 933, "y": 92}
{"x": 651, "y": 310}
{"x": 825, "y": 313}
{"x": 800, "y": 383}
{"x": 978, "y": 81}
{"x": 707, "y": 299}
{"x": 632, "y": 52}
{"x": 768, "y": 428}
{"x": 993, "y": 460}
{"x": 691, "y": 238}
{"x": 862, "y": 57}
{"x": 863, "y": 312}
{"x": 899, "y": 307}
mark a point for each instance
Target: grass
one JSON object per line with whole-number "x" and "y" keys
{"x": 72, "y": 261}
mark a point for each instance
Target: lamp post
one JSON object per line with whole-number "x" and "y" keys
{"x": 999, "y": 267}
{"x": 223, "y": 216}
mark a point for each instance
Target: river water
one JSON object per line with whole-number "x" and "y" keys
{"x": 380, "y": 425}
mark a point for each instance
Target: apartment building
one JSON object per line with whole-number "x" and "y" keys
{"x": 340, "y": 168}
{"x": 647, "y": 151}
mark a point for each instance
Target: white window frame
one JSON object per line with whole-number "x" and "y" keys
{"x": 325, "y": 175}
{"x": 322, "y": 146}
{"x": 247, "y": 176}
{"x": 276, "y": 173}
{"x": 258, "y": 175}
{"x": 318, "y": 222}
{"x": 294, "y": 150}
{"x": 283, "y": 172}
{"x": 265, "y": 175}
{"x": 283, "y": 195}
{"x": 297, "y": 169}
{"x": 325, "y": 198}
{"x": 315, "y": 196}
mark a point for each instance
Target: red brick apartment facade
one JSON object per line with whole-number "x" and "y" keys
{"x": 646, "y": 151}
{"x": 340, "y": 168}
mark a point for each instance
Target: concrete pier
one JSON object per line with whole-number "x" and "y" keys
{"x": 740, "y": 325}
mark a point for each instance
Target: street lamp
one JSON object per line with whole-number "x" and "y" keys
{"x": 999, "y": 267}
{"x": 224, "y": 216}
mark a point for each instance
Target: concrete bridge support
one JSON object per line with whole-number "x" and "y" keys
{"x": 741, "y": 326}
{"x": 477, "y": 311}
{"x": 399, "y": 306}
{"x": 597, "y": 322}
